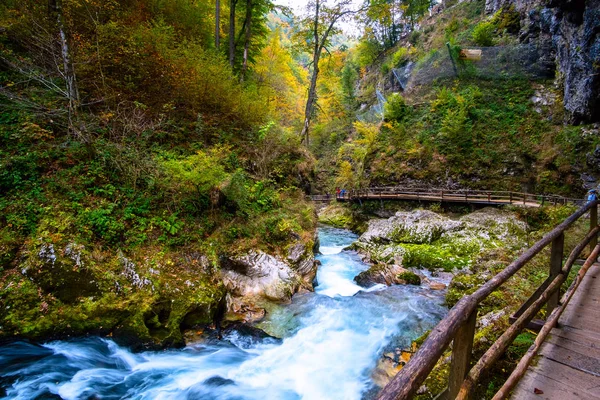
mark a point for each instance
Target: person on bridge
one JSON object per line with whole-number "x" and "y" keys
{"x": 592, "y": 195}
{"x": 337, "y": 193}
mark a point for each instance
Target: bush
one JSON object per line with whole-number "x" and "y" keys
{"x": 395, "y": 109}
{"x": 400, "y": 57}
{"x": 483, "y": 33}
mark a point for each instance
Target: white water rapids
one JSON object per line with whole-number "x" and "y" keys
{"x": 332, "y": 340}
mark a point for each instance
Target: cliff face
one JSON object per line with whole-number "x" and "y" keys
{"x": 570, "y": 33}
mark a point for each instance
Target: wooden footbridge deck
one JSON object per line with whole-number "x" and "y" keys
{"x": 479, "y": 197}
{"x": 568, "y": 366}
{"x": 563, "y": 362}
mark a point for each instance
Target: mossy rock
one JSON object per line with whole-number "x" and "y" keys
{"x": 338, "y": 216}
{"x": 410, "y": 278}
{"x": 59, "y": 293}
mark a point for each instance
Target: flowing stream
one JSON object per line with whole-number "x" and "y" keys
{"x": 331, "y": 342}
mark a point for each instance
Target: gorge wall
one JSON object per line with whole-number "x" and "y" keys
{"x": 569, "y": 32}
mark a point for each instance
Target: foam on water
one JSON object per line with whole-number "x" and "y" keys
{"x": 332, "y": 341}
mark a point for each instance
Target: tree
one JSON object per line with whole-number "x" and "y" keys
{"x": 218, "y": 25}
{"x": 318, "y": 27}
{"x": 232, "y": 6}
{"x": 248, "y": 36}
{"x": 252, "y": 35}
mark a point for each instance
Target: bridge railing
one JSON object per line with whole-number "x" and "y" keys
{"x": 463, "y": 196}
{"x": 458, "y": 326}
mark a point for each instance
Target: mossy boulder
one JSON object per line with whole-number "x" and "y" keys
{"x": 420, "y": 226}
{"x": 62, "y": 289}
{"x": 424, "y": 239}
{"x": 410, "y": 278}
{"x": 337, "y": 215}
{"x": 385, "y": 274}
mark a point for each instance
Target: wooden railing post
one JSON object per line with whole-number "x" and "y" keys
{"x": 510, "y": 197}
{"x": 461, "y": 355}
{"x": 593, "y": 223}
{"x": 556, "y": 260}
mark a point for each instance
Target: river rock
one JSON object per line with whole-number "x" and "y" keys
{"x": 437, "y": 286}
{"x": 259, "y": 274}
{"x": 421, "y": 226}
{"x": 256, "y": 277}
{"x": 386, "y": 274}
{"x": 423, "y": 239}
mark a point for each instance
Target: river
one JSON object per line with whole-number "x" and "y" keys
{"x": 331, "y": 342}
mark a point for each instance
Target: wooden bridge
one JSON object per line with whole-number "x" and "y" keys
{"x": 480, "y": 197}
{"x": 567, "y": 347}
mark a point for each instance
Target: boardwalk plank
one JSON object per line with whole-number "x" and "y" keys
{"x": 552, "y": 389}
{"x": 574, "y": 359}
{"x": 569, "y": 363}
{"x": 576, "y": 344}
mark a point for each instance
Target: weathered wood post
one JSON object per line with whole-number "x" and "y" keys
{"x": 556, "y": 261}
{"x": 461, "y": 355}
{"x": 593, "y": 223}
{"x": 510, "y": 197}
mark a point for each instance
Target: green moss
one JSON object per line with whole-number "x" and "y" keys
{"x": 433, "y": 257}
{"x": 410, "y": 278}
{"x": 338, "y": 216}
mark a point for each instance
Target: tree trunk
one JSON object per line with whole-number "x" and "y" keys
{"x": 312, "y": 97}
{"x": 218, "y": 25}
{"x": 248, "y": 36}
{"x": 232, "y": 5}
{"x": 312, "y": 90}
{"x": 68, "y": 72}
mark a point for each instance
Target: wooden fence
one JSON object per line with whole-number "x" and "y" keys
{"x": 458, "y": 326}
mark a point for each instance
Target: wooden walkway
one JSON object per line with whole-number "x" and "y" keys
{"x": 568, "y": 365}
{"x": 478, "y": 197}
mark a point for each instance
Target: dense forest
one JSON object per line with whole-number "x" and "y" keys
{"x": 154, "y": 152}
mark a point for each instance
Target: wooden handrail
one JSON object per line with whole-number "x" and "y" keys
{"x": 409, "y": 379}
{"x": 463, "y": 195}
{"x": 519, "y": 371}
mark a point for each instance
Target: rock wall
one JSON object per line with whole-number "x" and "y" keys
{"x": 569, "y": 32}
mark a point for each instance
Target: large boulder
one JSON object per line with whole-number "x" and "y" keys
{"x": 424, "y": 239}
{"x": 386, "y": 274}
{"x": 421, "y": 226}
{"x": 254, "y": 278}
{"x": 258, "y": 274}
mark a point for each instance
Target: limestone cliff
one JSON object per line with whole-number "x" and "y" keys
{"x": 569, "y": 33}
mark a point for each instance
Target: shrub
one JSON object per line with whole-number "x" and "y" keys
{"x": 395, "y": 109}
{"x": 400, "y": 57}
{"x": 483, "y": 33}
{"x": 414, "y": 37}
{"x": 197, "y": 173}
